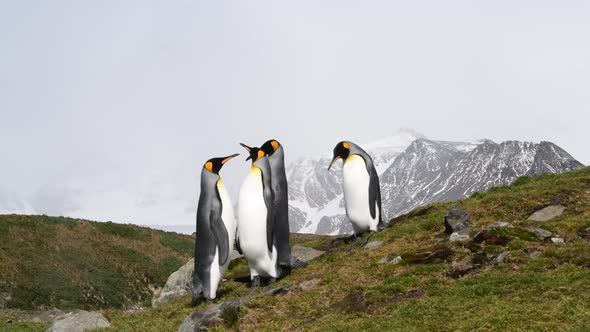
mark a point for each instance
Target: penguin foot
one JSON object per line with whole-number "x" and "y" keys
{"x": 196, "y": 299}
{"x": 284, "y": 270}
{"x": 353, "y": 244}
{"x": 271, "y": 281}
{"x": 367, "y": 237}
{"x": 254, "y": 285}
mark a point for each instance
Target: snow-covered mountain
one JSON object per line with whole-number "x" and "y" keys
{"x": 415, "y": 171}
{"x": 315, "y": 195}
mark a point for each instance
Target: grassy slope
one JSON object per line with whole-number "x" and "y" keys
{"x": 551, "y": 292}
{"x": 71, "y": 263}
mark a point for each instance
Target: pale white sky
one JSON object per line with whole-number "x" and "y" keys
{"x": 109, "y": 108}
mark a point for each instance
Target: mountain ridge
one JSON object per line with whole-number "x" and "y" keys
{"x": 425, "y": 171}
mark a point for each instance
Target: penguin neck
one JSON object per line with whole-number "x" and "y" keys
{"x": 351, "y": 157}
{"x": 208, "y": 179}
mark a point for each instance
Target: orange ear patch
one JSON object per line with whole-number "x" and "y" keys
{"x": 275, "y": 145}
{"x": 346, "y": 145}
{"x": 209, "y": 166}
{"x": 260, "y": 154}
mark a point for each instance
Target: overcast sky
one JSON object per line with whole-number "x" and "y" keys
{"x": 109, "y": 108}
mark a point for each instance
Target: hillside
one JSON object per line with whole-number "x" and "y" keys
{"x": 439, "y": 285}
{"x": 56, "y": 262}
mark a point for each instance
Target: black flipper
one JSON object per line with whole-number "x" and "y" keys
{"x": 269, "y": 202}
{"x": 374, "y": 193}
{"x": 219, "y": 233}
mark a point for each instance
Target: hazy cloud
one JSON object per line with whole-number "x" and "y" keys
{"x": 109, "y": 109}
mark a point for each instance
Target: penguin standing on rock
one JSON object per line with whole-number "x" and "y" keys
{"x": 256, "y": 221}
{"x": 362, "y": 193}
{"x": 216, "y": 230}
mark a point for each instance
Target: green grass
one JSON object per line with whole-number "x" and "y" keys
{"x": 16, "y": 326}
{"x": 179, "y": 244}
{"x": 69, "y": 263}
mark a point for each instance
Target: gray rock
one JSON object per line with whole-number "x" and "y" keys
{"x": 309, "y": 284}
{"x": 281, "y": 290}
{"x": 535, "y": 254}
{"x": 373, "y": 245}
{"x": 541, "y": 233}
{"x": 210, "y": 316}
{"x": 547, "y": 213}
{"x": 79, "y": 321}
{"x": 458, "y": 237}
{"x": 396, "y": 260}
{"x": 457, "y": 220}
{"x": 306, "y": 254}
{"x": 178, "y": 284}
{"x": 557, "y": 240}
{"x": 501, "y": 257}
{"x": 499, "y": 224}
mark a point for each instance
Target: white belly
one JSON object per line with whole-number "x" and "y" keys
{"x": 229, "y": 220}
{"x": 252, "y": 227}
{"x": 356, "y": 179}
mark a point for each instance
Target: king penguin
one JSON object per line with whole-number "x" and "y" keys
{"x": 256, "y": 219}
{"x": 276, "y": 157}
{"x": 216, "y": 230}
{"x": 362, "y": 193}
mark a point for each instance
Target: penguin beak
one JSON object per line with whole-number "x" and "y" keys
{"x": 228, "y": 158}
{"x": 333, "y": 161}
{"x": 247, "y": 149}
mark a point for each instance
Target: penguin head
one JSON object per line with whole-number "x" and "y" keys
{"x": 270, "y": 146}
{"x": 255, "y": 153}
{"x": 214, "y": 165}
{"x": 341, "y": 150}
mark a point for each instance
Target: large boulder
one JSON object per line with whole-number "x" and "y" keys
{"x": 178, "y": 284}
{"x": 79, "y": 321}
{"x": 457, "y": 220}
{"x": 547, "y": 213}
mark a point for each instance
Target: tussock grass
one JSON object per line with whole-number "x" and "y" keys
{"x": 70, "y": 263}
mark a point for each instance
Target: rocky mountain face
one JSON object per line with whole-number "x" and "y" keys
{"x": 415, "y": 171}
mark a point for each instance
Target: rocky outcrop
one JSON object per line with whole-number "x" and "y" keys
{"x": 79, "y": 321}
{"x": 178, "y": 284}
{"x": 457, "y": 223}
